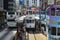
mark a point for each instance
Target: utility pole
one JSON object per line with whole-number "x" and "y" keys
{"x": 42, "y": 9}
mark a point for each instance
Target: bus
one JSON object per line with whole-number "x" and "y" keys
{"x": 11, "y": 19}
{"x": 53, "y": 27}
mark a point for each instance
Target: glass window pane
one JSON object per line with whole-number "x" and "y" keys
{"x": 58, "y": 33}
{"x": 53, "y": 30}
{"x": 53, "y": 11}
{"x": 11, "y": 13}
{"x": 11, "y": 20}
{"x": 58, "y": 12}
{"x": 49, "y": 30}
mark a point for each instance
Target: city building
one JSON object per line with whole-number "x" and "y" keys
{"x": 30, "y": 3}
{"x": 57, "y": 1}
{"x": 2, "y": 14}
{"x": 10, "y": 5}
{"x": 17, "y": 4}
{"x": 1, "y": 4}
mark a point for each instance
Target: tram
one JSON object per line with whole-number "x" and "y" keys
{"x": 30, "y": 22}
{"x": 11, "y": 19}
{"x": 54, "y": 22}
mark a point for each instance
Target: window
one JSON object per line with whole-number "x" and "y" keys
{"x": 10, "y": 5}
{"x": 28, "y": 3}
{"x": 58, "y": 12}
{"x": 30, "y": 12}
{"x": 53, "y": 12}
{"x": 43, "y": 12}
{"x": 27, "y": 12}
{"x": 11, "y": 13}
{"x": 11, "y": 20}
{"x": 53, "y": 30}
{"x": 49, "y": 29}
{"x": 11, "y": 0}
{"x": 30, "y": 21}
{"x": 58, "y": 33}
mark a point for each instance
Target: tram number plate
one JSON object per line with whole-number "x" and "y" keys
{"x": 58, "y": 23}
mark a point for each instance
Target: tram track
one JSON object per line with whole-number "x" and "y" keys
{"x": 35, "y": 36}
{"x": 31, "y": 36}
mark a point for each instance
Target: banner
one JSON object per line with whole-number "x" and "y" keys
{"x": 21, "y": 2}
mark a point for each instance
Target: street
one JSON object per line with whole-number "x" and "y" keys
{"x": 29, "y": 19}
{"x": 36, "y": 36}
{"x": 7, "y": 34}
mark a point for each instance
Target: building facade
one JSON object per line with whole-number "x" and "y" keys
{"x": 30, "y": 3}
{"x": 1, "y": 4}
{"x": 58, "y": 2}
{"x": 2, "y": 14}
{"x": 10, "y": 5}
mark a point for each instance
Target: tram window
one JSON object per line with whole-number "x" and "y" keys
{"x": 53, "y": 12}
{"x": 53, "y": 30}
{"x": 58, "y": 12}
{"x": 11, "y": 20}
{"x": 58, "y": 33}
{"x": 47, "y": 12}
{"x": 30, "y": 12}
{"x": 11, "y": 13}
{"x": 49, "y": 29}
{"x": 26, "y": 12}
{"x": 30, "y": 21}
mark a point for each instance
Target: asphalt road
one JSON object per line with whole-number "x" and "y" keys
{"x": 7, "y": 34}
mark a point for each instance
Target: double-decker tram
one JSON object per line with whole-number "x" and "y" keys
{"x": 30, "y": 22}
{"x": 11, "y": 19}
{"x": 54, "y": 22}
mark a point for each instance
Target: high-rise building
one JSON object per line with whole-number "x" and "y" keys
{"x": 30, "y": 3}
{"x": 2, "y": 14}
{"x": 5, "y": 2}
{"x": 1, "y": 4}
{"x": 10, "y": 5}
{"x": 17, "y": 4}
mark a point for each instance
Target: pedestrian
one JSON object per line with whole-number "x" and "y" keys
{"x": 20, "y": 36}
{"x": 42, "y": 29}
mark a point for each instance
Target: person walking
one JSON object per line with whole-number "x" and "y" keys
{"x": 42, "y": 30}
